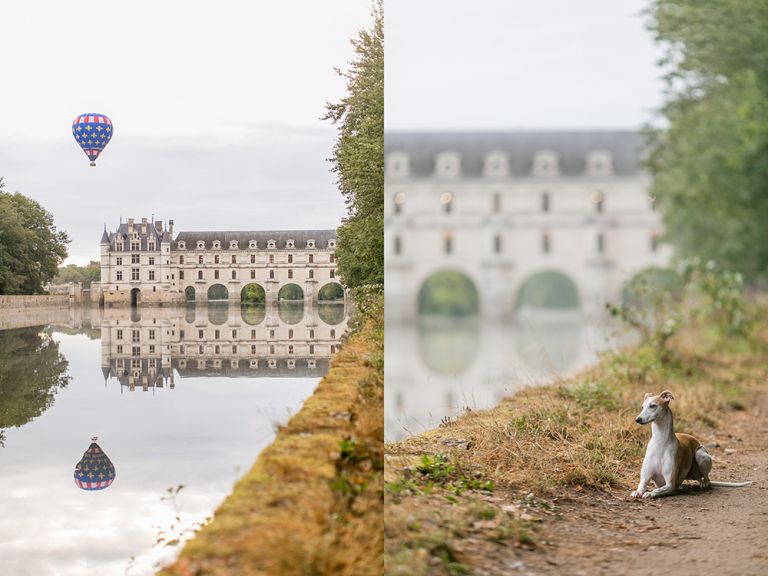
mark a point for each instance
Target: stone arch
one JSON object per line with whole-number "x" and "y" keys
{"x": 217, "y": 292}
{"x": 135, "y": 297}
{"x": 290, "y": 292}
{"x": 331, "y": 292}
{"x": 253, "y": 293}
{"x": 189, "y": 294}
{"x": 548, "y": 289}
{"x": 448, "y": 292}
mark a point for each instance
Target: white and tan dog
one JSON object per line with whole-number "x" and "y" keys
{"x": 671, "y": 458}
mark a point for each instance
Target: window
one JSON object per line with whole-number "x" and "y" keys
{"x": 448, "y": 243}
{"x": 217, "y": 334}
{"x": 233, "y": 244}
{"x": 216, "y": 259}
{"x": 333, "y": 333}
{"x": 271, "y": 274}
{"x": 199, "y": 274}
{"x": 600, "y": 243}
{"x": 545, "y": 243}
{"x": 290, "y": 273}
{"x": 253, "y": 274}
{"x": 545, "y": 202}
{"x": 135, "y": 351}
{"x": 216, "y": 244}
{"x": 271, "y": 349}
{"x": 253, "y": 348}
{"x": 200, "y": 334}
{"x": 270, "y": 244}
{"x": 181, "y": 334}
{"x": 215, "y": 274}
{"x": 290, "y": 349}
{"x": 497, "y": 244}
{"x": 333, "y": 273}
{"x": 199, "y": 349}
{"x": 151, "y": 246}
{"x": 311, "y": 348}
{"x": 134, "y": 273}
{"x": 271, "y": 333}
{"x": 290, "y": 333}
{"x": 234, "y": 333}
{"x": 234, "y": 274}
{"x": 234, "y": 348}
{"x": 290, "y": 258}
{"x": 598, "y": 199}
{"x": 253, "y": 333}
{"x": 311, "y": 333}
{"x": 398, "y": 245}
{"x": 446, "y": 199}
{"x": 252, "y": 244}
{"x": 497, "y": 203}
{"x": 181, "y": 274}
{"x": 119, "y": 348}
{"x": 310, "y": 243}
{"x": 217, "y": 349}
{"x": 332, "y": 258}
{"x": 135, "y": 245}
{"x": 253, "y": 258}
{"x": 271, "y": 258}
{"x": 151, "y": 274}
{"x": 200, "y": 259}
{"x": 289, "y": 244}
{"x": 234, "y": 258}
{"x": 399, "y": 202}
{"x": 311, "y": 259}
{"x": 151, "y": 334}
{"x": 119, "y": 334}
{"x": 181, "y": 245}
{"x": 181, "y": 259}
{"x": 135, "y": 335}
{"x": 311, "y": 274}
{"x": 119, "y": 261}
{"x": 134, "y": 258}
{"x": 119, "y": 275}
{"x": 151, "y": 348}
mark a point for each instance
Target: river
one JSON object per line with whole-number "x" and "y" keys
{"x": 181, "y": 402}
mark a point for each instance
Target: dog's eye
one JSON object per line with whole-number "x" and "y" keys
{"x": 651, "y": 405}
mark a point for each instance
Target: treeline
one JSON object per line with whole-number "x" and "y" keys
{"x": 83, "y": 274}
{"x": 31, "y": 248}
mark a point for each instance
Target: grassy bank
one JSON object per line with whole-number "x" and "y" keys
{"x": 495, "y": 476}
{"x": 312, "y": 503}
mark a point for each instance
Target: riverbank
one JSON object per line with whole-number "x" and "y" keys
{"x": 26, "y": 311}
{"x": 312, "y": 503}
{"x": 541, "y": 483}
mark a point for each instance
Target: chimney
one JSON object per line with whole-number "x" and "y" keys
{"x": 130, "y": 225}
{"x": 159, "y": 227}
{"x": 170, "y": 228}
{"x": 143, "y": 226}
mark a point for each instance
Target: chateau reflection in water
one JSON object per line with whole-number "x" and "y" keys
{"x": 147, "y": 348}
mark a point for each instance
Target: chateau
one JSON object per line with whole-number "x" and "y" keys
{"x": 504, "y": 207}
{"x": 143, "y": 262}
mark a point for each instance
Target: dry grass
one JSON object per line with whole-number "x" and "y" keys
{"x": 574, "y": 435}
{"x": 312, "y": 503}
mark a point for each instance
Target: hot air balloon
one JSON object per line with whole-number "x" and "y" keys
{"x": 94, "y": 471}
{"x": 93, "y": 132}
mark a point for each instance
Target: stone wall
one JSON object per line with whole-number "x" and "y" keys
{"x": 37, "y": 301}
{"x": 24, "y": 311}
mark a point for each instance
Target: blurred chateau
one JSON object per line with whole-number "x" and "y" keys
{"x": 144, "y": 262}
{"x": 503, "y": 208}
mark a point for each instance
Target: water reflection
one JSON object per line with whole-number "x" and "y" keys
{"x": 331, "y": 313}
{"x": 291, "y": 311}
{"x": 216, "y": 381}
{"x": 95, "y": 470}
{"x": 437, "y": 366}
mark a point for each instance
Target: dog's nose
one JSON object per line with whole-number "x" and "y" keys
{"x": 638, "y": 420}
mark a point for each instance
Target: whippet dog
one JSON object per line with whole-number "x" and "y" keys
{"x": 671, "y": 458}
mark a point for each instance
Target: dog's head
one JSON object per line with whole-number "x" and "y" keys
{"x": 653, "y": 406}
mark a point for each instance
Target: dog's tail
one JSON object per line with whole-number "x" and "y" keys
{"x": 731, "y": 484}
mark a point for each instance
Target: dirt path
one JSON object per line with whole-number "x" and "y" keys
{"x": 721, "y": 531}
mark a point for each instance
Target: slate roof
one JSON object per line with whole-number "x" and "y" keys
{"x": 122, "y": 230}
{"x": 281, "y": 237}
{"x": 572, "y": 147}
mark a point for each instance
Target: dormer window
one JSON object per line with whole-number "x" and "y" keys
{"x": 398, "y": 164}
{"x": 448, "y": 165}
{"x": 289, "y": 244}
{"x": 216, "y": 244}
{"x": 270, "y": 244}
{"x": 310, "y": 243}
{"x": 252, "y": 244}
{"x": 181, "y": 245}
{"x": 332, "y": 243}
{"x": 233, "y": 245}
{"x": 496, "y": 163}
{"x": 545, "y": 163}
{"x": 200, "y": 245}
{"x": 599, "y": 163}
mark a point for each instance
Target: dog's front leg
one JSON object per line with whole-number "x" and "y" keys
{"x": 669, "y": 473}
{"x": 645, "y": 476}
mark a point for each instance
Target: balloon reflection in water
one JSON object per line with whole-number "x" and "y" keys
{"x": 95, "y": 470}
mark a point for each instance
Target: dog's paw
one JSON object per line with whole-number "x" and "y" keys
{"x": 648, "y": 495}
{"x": 634, "y": 494}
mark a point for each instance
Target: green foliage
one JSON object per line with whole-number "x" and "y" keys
{"x": 448, "y": 293}
{"x": 709, "y": 165}
{"x": 32, "y": 370}
{"x": 331, "y": 291}
{"x": 593, "y": 394}
{"x": 290, "y": 292}
{"x": 252, "y": 294}
{"x": 438, "y": 471}
{"x": 82, "y": 274}
{"x": 31, "y": 248}
{"x": 548, "y": 290}
{"x": 358, "y": 158}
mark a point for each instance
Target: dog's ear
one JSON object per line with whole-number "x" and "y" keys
{"x": 666, "y": 396}
{"x": 647, "y": 395}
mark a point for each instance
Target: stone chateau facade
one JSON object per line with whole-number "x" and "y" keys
{"x": 143, "y": 262}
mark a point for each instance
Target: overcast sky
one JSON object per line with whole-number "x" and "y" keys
{"x": 506, "y": 64}
{"x": 216, "y": 106}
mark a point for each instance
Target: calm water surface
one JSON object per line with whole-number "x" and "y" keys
{"x": 176, "y": 398}
{"x": 437, "y": 366}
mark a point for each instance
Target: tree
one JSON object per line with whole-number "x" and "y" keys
{"x": 31, "y": 248}
{"x": 358, "y": 158}
{"x": 75, "y": 273}
{"x": 711, "y": 177}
